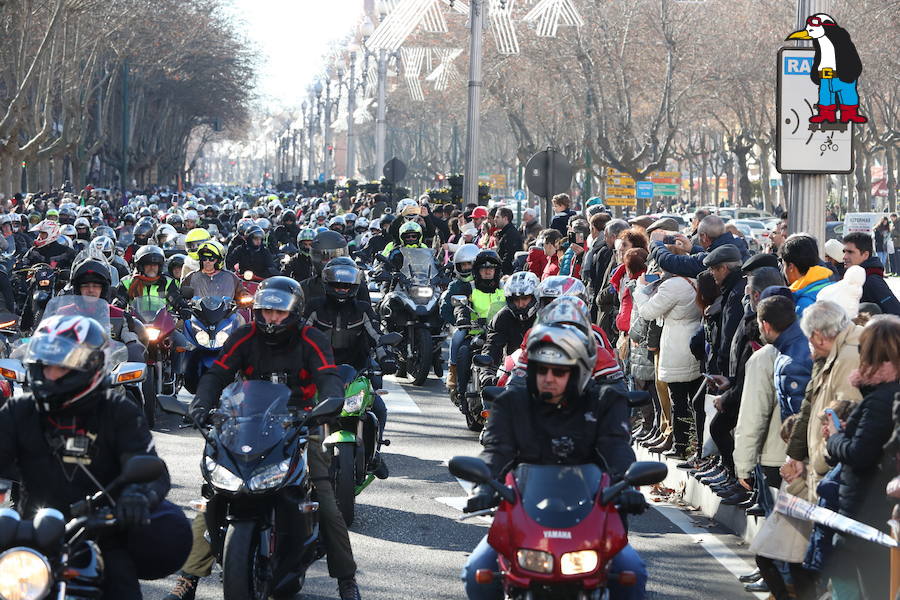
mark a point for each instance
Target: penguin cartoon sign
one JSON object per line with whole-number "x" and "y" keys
{"x": 818, "y": 99}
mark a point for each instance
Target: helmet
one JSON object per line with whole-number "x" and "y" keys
{"x": 92, "y": 271}
{"x": 321, "y": 215}
{"x": 128, "y": 218}
{"x": 143, "y": 229}
{"x": 305, "y": 235}
{"x": 337, "y": 222}
{"x": 191, "y": 215}
{"x": 560, "y": 285}
{"x": 410, "y": 233}
{"x": 375, "y": 225}
{"x": 50, "y": 229}
{"x": 288, "y": 217}
{"x": 408, "y": 208}
{"x": 278, "y": 293}
{"x": 325, "y": 246}
{"x": 103, "y": 246}
{"x": 362, "y": 225}
{"x": 563, "y": 346}
{"x": 175, "y": 261}
{"x": 350, "y": 219}
{"x": 193, "y": 240}
{"x": 53, "y": 214}
{"x": 165, "y": 233}
{"x": 145, "y": 212}
{"x": 341, "y": 277}
{"x": 522, "y": 284}
{"x": 465, "y": 254}
{"x": 386, "y": 220}
{"x": 72, "y": 341}
{"x": 105, "y": 230}
{"x": 255, "y": 231}
{"x": 487, "y": 258}
{"x": 66, "y": 215}
{"x": 68, "y": 230}
{"x": 263, "y": 223}
{"x": 149, "y": 255}
{"x": 176, "y": 221}
{"x": 243, "y": 225}
{"x": 567, "y": 310}
{"x": 211, "y": 250}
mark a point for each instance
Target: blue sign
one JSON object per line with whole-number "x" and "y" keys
{"x": 321, "y": 177}
{"x": 519, "y": 195}
{"x": 644, "y": 189}
{"x": 798, "y": 65}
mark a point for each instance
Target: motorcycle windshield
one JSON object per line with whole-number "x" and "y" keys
{"x": 418, "y": 265}
{"x": 86, "y": 306}
{"x": 221, "y": 285}
{"x": 255, "y": 415}
{"x": 146, "y": 307}
{"x": 558, "y": 496}
{"x": 212, "y": 309}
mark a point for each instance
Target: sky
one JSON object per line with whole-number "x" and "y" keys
{"x": 292, "y": 36}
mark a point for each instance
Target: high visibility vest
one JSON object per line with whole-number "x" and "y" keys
{"x": 485, "y": 305}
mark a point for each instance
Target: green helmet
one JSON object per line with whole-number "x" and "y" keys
{"x": 410, "y": 234}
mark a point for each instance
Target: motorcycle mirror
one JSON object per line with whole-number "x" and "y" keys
{"x": 49, "y": 527}
{"x": 142, "y": 469}
{"x": 390, "y": 339}
{"x": 646, "y": 473}
{"x": 482, "y": 360}
{"x": 470, "y": 468}
{"x": 457, "y": 300}
{"x": 128, "y": 372}
{"x": 638, "y": 398}
{"x": 172, "y": 405}
{"x": 187, "y": 292}
{"x": 248, "y": 275}
{"x": 12, "y": 369}
{"x": 327, "y": 408}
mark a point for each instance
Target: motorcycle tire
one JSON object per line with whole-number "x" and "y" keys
{"x": 242, "y": 571}
{"x": 472, "y": 423}
{"x": 345, "y": 480}
{"x": 420, "y": 363}
{"x": 148, "y": 391}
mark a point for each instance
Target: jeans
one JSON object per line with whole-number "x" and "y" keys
{"x": 682, "y": 393}
{"x": 834, "y": 91}
{"x": 485, "y": 557}
{"x": 455, "y": 342}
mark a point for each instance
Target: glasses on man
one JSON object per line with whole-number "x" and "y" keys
{"x": 556, "y": 371}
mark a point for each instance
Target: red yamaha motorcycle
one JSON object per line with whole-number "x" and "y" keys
{"x": 556, "y": 528}
{"x": 162, "y": 378}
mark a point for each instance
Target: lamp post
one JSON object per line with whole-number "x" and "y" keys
{"x": 473, "y": 120}
{"x": 381, "y": 99}
{"x": 331, "y": 103}
{"x": 315, "y": 110}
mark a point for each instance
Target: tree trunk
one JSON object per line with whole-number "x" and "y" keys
{"x": 862, "y": 165}
{"x": 889, "y": 159}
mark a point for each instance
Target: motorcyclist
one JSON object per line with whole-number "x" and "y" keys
{"x": 325, "y": 246}
{"x": 562, "y": 416}
{"x": 299, "y": 267}
{"x": 507, "y": 329}
{"x": 463, "y": 259}
{"x": 9, "y": 225}
{"x": 408, "y": 211}
{"x": 486, "y": 299}
{"x": 288, "y": 230}
{"x": 277, "y": 346}
{"x": 148, "y": 279}
{"x": 174, "y": 267}
{"x": 70, "y": 416}
{"x": 143, "y": 231}
{"x": 47, "y": 248}
{"x": 106, "y": 246}
{"x": 353, "y": 330}
{"x": 409, "y": 235}
{"x": 253, "y": 256}
{"x": 192, "y": 242}
{"x": 210, "y": 280}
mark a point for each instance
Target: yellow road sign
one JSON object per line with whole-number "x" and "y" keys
{"x": 616, "y": 201}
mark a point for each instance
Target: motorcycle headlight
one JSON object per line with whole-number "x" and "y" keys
{"x": 535, "y": 560}
{"x": 421, "y": 292}
{"x": 269, "y": 477}
{"x": 576, "y": 563}
{"x": 221, "y": 338}
{"x": 24, "y": 575}
{"x": 202, "y": 337}
{"x": 353, "y": 404}
{"x": 152, "y": 333}
{"x": 221, "y": 477}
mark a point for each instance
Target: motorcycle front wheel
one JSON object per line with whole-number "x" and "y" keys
{"x": 148, "y": 391}
{"x": 421, "y": 359}
{"x": 244, "y": 569}
{"x": 345, "y": 480}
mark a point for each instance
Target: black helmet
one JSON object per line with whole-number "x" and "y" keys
{"x": 75, "y": 342}
{"x": 128, "y": 218}
{"x": 252, "y": 232}
{"x": 487, "y": 258}
{"x": 341, "y": 277}
{"x": 278, "y": 293}
{"x": 149, "y": 255}
{"x": 143, "y": 229}
{"x": 325, "y": 246}
{"x": 92, "y": 271}
{"x": 288, "y": 216}
{"x": 175, "y": 261}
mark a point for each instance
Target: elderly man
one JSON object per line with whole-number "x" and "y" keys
{"x": 607, "y": 299}
{"x": 711, "y": 235}
{"x": 530, "y": 227}
{"x": 834, "y": 342}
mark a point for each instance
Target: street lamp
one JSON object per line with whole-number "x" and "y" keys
{"x": 329, "y": 105}
{"x": 315, "y": 111}
{"x": 473, "y": 119}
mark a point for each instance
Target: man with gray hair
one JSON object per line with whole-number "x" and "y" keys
{"x": 607, "y": 300}
{"x": 688, "y": 262}
{"x": 530, "y": 227}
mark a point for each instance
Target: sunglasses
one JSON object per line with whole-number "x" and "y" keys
{"x": 817, "y": 22}
{"x": 557, "y": 371}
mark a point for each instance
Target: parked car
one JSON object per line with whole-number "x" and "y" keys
{"x": 834, "y": 230}
{"x": 758, "y": 229}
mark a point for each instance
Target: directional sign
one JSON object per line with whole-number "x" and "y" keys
{"x": 665, "y": 189}
{"x": 616, "y": 201}
{"x": 619, "y": 191}
{"x": 519, "y": 195}
{"x": 803, "y": 147}
{"x": 644, "y": 189}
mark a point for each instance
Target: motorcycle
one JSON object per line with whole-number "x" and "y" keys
{"x": 43, "y": 286}
{"x": 162, "y": 377}
{"x": 410, "y": 308}
{"x": 556, "y": 528}
{"x": 254, "y": 465}
{"x": 354, "y": 443}
{"x": 212, "y": 320}
{"x": 48, "y": 558}
{"x": 479, "y": 367}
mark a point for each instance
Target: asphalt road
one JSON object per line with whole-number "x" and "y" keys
{"x": 407, "y": 540}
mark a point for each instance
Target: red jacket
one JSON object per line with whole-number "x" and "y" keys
{"x": 551, "y": 268}
{"x": 626, "y": 302}
{"x": 536, "y": 261}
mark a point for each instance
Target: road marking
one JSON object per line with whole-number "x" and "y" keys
{"x": 710, "y": 542}
{"x": 398, "y": 399}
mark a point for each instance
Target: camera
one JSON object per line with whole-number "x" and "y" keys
{"x": 669, "y": 239}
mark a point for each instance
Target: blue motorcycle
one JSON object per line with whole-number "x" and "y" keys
{"x": 212, "y": 319}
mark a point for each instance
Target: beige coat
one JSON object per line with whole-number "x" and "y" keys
{"x": 757, "y": 436}
{"x": 830, "y": 381}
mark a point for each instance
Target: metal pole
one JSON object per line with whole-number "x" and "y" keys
{"x": 806, "y": 200}
{"x": 381, "y": 110}
{"x": 124, "y": 174}
{"x": 473, "y": 122}
{"x": 548, "y": 198}
{"x": 329, "y": 154}
{"x": 351, "y": 108}
{"x": 311, "y": 165}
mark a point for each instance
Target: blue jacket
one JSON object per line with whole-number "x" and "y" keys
{"x": 793, "y": 368}
{"x": 456, "y": 288}
{"x": 806, "y": 289}
{"x": 692, "y": 265}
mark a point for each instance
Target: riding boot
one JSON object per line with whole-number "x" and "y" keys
{"x": 827, "y": 114}
{"x": 849, "y": 114}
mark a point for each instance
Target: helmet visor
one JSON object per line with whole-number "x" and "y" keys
{"x": 58, "y": 351}
{"x": 273, "y": 299}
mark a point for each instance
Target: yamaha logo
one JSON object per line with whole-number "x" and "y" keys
{"x": 558, "y": 535}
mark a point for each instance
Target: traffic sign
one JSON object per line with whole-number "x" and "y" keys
{"x": 644, "y": 189}
{"x": 321, "y": 177}
{"x": 619, "y": 191}
{"x": 519, "y": 195}
{"x": 665, "y": 189}
{"x": 548, "y": 173}
{"x": 616, "y": 201}
{"x": 394, "y": 170}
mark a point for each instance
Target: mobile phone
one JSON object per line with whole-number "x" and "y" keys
{"x": 651, "y": 277}
{"x": 834, "y": 419}
{"x": 669, "y": 240}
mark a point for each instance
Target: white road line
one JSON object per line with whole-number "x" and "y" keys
{"x": 397, "y": 399}
{"x": 710, "y": 542}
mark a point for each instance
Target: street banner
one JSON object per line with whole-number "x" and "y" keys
{"x": 799, "y": 508}
{"x": 865, "y": 222}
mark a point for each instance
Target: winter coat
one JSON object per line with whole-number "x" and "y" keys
{"x": 674, "y": 303}
{"x": 691, "y": 265}
{"x": 757, "y": 435}
{"x": 859, "y": 448}
{"x": 551, "y": 268}
{"x": 457, "y": 287}
{"x": 509, "y": 242}
{"x": 641, "y": 358}
{"x": 732, "y": 315}
{"x": 560, "y": 221}
{"x": 830, "y": 382}
{"x": 570, "y": 264}
{"x": 793, "y": 369}
{"x": 807, "y": 287}
{"x": 876, "y": 289}
{"x": 536, "y": 261}
{"x": 625, "y": 287}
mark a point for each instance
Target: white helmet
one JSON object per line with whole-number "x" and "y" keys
{"x": 191, "y": 215}
{"x": 522, "y": 284}
{"x": 465, "y": 254}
